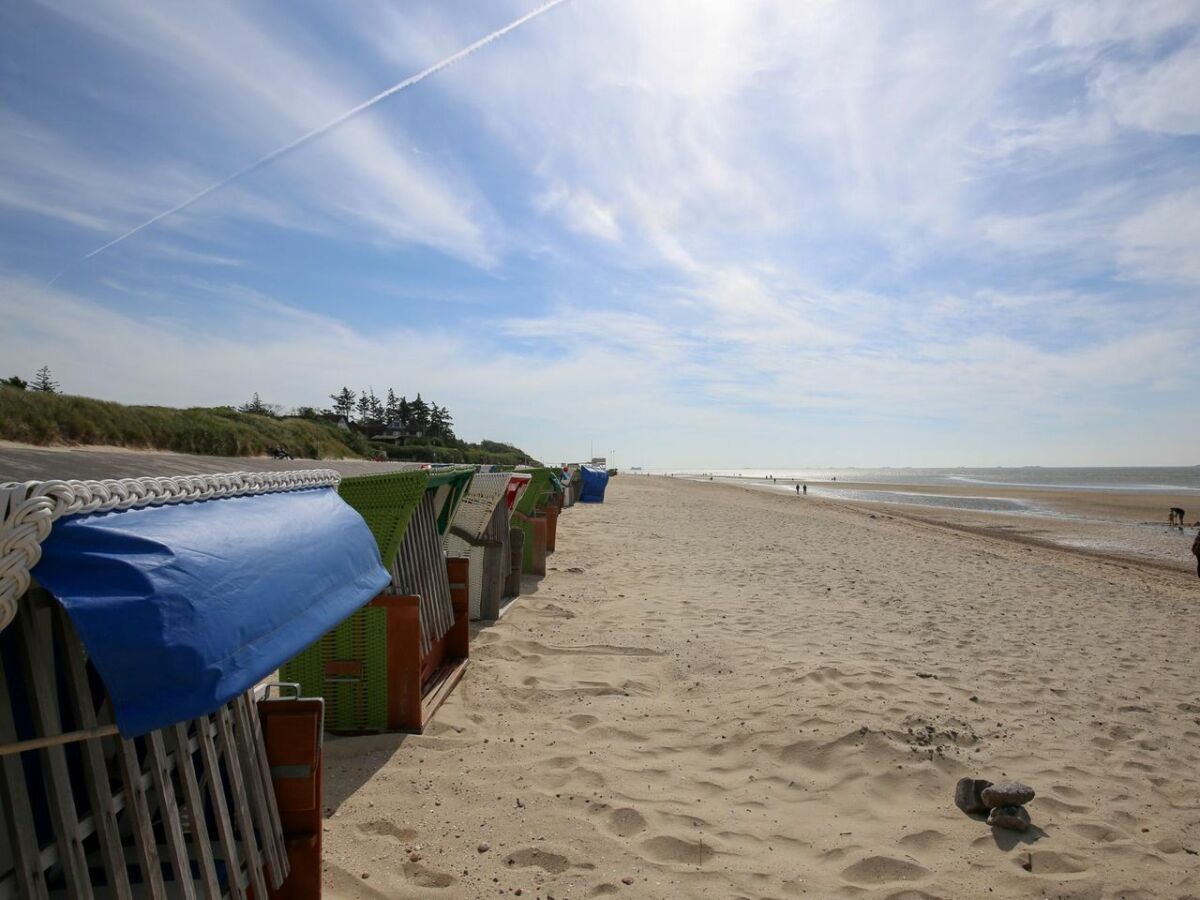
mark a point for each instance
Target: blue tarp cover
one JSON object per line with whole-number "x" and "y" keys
{"x": 182, "y": 608}
{"x": 595, "y": 480}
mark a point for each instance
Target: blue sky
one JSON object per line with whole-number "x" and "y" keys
{"x": 696, "y": 233}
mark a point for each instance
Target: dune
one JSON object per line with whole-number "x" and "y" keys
{"x": 717, "y": 692}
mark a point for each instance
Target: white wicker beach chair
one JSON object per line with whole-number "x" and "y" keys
{"x": 480, "y": 532}
{"x": 185, "y": 810}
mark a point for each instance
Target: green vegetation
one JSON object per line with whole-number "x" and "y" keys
{"x": 459, "y": 452}
{"x": 36, "y": 417}
{"x": 42, "y": 417}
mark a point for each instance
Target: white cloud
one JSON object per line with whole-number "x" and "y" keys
{"x": 1162, "y": 242}
{"x": 581, "y": 212}
{"x": 252, "y": 79}
{"x": 1160, "y": 96}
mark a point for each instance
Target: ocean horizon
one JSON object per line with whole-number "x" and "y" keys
{"x": 1166, "y": 479}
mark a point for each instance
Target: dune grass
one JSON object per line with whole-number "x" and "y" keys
{"x": 38, "y": 418}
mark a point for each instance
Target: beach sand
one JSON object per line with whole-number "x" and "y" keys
{"x": 719, "y": 692}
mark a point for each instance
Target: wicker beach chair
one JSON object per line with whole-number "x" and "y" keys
{"x": 594, "y": 483}
{"x": 136, "y": 617}
{"x": 530, "y": 516}
{"x": 390, "y": 665}
{"x": 480, "y": 533}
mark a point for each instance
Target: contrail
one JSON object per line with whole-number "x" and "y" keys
{"x": 318, "y": 131}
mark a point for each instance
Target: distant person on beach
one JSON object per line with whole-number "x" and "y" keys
{"x": 1196, "y": 552}
{"x": 797, "y": 489}
{"x": 806, "y": 489}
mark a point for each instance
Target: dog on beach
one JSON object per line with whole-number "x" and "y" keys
{"x": 1176, "y": 516}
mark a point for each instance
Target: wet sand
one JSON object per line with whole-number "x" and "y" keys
{"x": 719, "y": 692}
{"x": 1127, "y": 525}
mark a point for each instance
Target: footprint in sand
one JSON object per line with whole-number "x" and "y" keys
{"x": 626, "y": 822}
{"x": 668, "y": 849}
{"x": 1049, "y": 862}
{"x": 879, "y": 870}
{"x": 1101, "y": 833}
{"x": 385, "y": 828}
{"x": 922, "y": 841}
{"x": 554, "y": 863}
{"x": 427, "y": 878}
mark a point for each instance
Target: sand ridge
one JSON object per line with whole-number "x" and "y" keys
{"x": 717, "y": 692}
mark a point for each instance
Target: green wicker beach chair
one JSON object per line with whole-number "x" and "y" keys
{"x": 408, "y": 513}
{"x": 542, "y": 487}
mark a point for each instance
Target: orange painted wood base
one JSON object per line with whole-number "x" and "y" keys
{"x": 551, "y": 526}
{"x": 292, "y": 733}
{"x": 418, "y": 683}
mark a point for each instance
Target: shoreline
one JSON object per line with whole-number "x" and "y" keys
{"x": 1104, "y": 524}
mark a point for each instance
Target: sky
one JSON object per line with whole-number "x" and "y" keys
{"x": 686, "y": 233}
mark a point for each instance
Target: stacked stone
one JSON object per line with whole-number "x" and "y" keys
{"x": 1004, "y": 803}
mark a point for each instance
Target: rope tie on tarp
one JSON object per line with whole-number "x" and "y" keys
{"x": 28, "y": 510}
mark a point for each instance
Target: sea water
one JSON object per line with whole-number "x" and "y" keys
{"x": 1173, "y": 480}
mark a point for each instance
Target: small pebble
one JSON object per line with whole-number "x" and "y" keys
{"x": 626, "y": 880}
{"x": 484, "y": 847}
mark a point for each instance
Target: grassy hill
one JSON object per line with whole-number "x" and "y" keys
{"x": 38, "y": 418}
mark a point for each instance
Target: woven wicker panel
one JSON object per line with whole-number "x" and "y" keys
{"x": 386, "y": 502}
{"x": 420, "y": 569}
{"x": 535, "y": 495}
{"x": 480, "y": 499}
{"x": 541, "y": 486}
{"x": 352, "y": 703}
{"x": 456, "y": 481}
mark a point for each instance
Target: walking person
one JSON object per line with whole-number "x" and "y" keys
{"x": 1196, "y": 552}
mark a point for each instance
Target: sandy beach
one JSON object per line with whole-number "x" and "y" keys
{"x": 719, "y": 692}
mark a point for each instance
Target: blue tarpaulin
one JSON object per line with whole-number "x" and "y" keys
{"x": 595, "y": 480}
{"x": 182, "y": 608}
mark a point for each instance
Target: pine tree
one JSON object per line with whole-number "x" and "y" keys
{"x": 391, "y": 408}
{"x": 363, "y": 407}
{"x": 378, "y": 413}
{"x": 447, "y": 424}
{"x": 404, "y": 414}
{"x": 257, "y": 407}
{"x": 440, "y": 423}
{"x": 419, "y": 412}
{"x": 343, "y": 402}
{"x": 43, "y": 382}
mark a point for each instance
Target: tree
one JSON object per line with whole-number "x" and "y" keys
{"x": 391, "y": 408}
{"x": 255, "y": 406}
{"x": 343, "y": 403}
{"x": 419, "y": 416}
{"x": 404, "y": 414}
{"x": 43, "y": 382}
{"x": 15, "y": 381}
{"x": 363, "y": 407}
{"x": 440, "y": 423}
